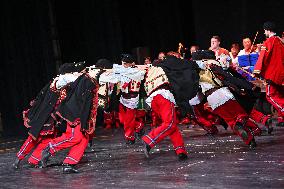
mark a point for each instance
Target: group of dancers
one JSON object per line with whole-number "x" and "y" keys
{"x": 205, "y": 89}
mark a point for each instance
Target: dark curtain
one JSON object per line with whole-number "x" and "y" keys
{"x": 234, "y": 20}
{"x": 27, "y": 60}
{"x": 89, "y": 29}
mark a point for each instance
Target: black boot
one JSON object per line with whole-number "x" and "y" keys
{"x": 239, "y": 129}
{"x": 45, "y": 154}
{"x": 281, "y": 124}
{"x": 90, "y": 144}
{"x": 16, "y": 164}
{"x": 31, "y": 165}
{"x": 182, "y": 156}
{"x": 67, "y": 169}
{"x": 146, "y": 149}
{"x": 252, "y": 144}
{"x": 268, "y": 124}
{"x": 224, "y": 124}
{"x": 130, "y": 142}
{"x": 139, "y": 134}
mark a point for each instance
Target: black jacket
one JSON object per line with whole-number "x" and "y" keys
{"x": 184, "y": 80}
{"x": 79, "y": 101}
{"x": 38, "y": 115}
{"x": 243, "y": 90}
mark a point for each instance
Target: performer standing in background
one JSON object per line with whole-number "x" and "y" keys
{"x": 247, "y": 59}
{"x": 235, "y": 49}
{"x": 270, "y": 66}
{"x": 222, "y": 55}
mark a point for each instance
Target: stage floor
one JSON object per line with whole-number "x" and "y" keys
{"x": 220, "y": 162}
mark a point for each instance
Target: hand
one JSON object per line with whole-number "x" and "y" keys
{"x": 258, "y": 47}
{"x": 255, "y": 75}
{"x": 207, "y": 106}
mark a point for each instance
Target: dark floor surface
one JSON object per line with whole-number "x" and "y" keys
{"x": 220, "y": 162}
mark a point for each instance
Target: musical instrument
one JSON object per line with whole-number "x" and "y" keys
{"x": 257, "y": 82}
{"x": 180, "y": 46}
{"x": 181, "y": 50}
{"x": 252, "y": 46}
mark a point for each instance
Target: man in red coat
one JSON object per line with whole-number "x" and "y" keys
{"x": 270, "y": 66}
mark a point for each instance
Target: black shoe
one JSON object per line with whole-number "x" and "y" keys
{"x": 268, "y": 124}
{"x": 130, "y": 142}
{"x": 182, "y": 156}
{"x": 252, "y": 144}
{"x": 239, "y": 129}
{"x": 31, "y": 165}
{"x": 45, "y": 154}
{"x": 146, "y": 149}
{"x": 139, "y": 134}
{"x": 16, "y": 164}
{"x": 270, "y": 129}
{"x": 224, "y": 124}
{"x": 281, "y": 124}
{"x": 90, "y": 144}
{"x": 68, "y": 169}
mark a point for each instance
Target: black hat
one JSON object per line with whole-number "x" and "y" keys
{"x": 128, "y": 58}
{"x": 71, "y": 67}
{"x": 104, "y": 63}
{"x": 269, "y": 26}
{"x": 203, "y": 54}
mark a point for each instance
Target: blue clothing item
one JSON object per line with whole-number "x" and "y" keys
{"x": 248, "y": 60}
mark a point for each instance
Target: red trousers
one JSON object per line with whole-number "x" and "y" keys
{"x": 166, "y": 111}
{"x": 140, "y": 118}
{"x": 111, "y": 119}
{"x": 259, "y": 116}
{"x": 30, "y": 144}
{"x": 232, "y": 113}
{"x": 155, "y": 119}
{"x": 74, "y": 138}
{"x": 127, "y": 117}
{"x": 275, "y": 96}
{"x": 204, "y": 118}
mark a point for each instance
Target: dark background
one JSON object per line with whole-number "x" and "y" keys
{"x": 39, "y": 35}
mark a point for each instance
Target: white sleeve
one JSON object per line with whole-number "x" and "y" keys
{"x": 108, "y": 77}
{"x": 200, "y": 64}
{"x": 225, "y": 61}
{"x": 65, "y": 79}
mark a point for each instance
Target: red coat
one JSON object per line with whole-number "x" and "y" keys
{"x": 270, "y": 63}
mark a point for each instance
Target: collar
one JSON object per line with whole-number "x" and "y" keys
{"x": 272, "y": 34}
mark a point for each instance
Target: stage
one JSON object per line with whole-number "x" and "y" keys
{"x": 219, "y": 162}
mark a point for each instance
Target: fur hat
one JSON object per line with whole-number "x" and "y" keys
{"x": 104, "y": 63}
{"x": 71, "y": 67}
{"x": 269, "y": 26}
{"x": 128, "y": 58}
